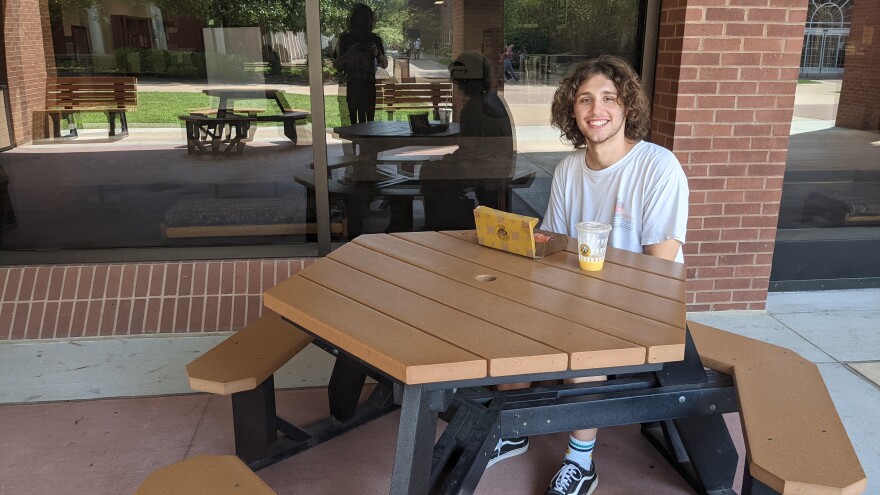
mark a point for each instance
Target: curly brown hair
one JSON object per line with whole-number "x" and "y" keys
{"x": 631, "y": 96}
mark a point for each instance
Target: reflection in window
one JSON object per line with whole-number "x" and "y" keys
{"x": 830, "y": 206}
{"x": 166, "y": 123}
{"x": 385, "y": 178}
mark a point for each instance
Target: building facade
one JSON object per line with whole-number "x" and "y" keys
{"x": 723, "y": 76}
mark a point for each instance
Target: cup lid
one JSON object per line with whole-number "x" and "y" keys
{"x": 592, "y": 227}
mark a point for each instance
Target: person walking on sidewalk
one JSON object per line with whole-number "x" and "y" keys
{"x": 507, "y": 58}
{"x": 614, "y": 177}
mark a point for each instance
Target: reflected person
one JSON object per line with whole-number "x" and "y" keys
{"x": 482, "y": 166}
{"x": 358, "y": 52}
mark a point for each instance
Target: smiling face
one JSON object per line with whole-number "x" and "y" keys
{"x": 599, "y": 114}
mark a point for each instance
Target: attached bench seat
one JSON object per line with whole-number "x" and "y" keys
{"x": 243, "y": 366}
{"x": 205, "y": 475}
{"x": 212, "y": 112}
{"x": 249, "y": 357}
{"x": 795, "y": 441}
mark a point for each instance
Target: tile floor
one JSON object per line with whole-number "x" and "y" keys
{"x": 52, "y": 443}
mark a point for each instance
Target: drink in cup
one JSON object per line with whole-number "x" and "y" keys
{"x": 445, "y": 115}
{"x": 592, "y": 241}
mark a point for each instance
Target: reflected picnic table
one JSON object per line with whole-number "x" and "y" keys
{"x": 288, "y": 116}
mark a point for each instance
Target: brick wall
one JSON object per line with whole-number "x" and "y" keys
{"x": 69, "y": 301}
{"x": 26, "y": 55}
{"x": 723, "y": 101}
{"x": 860, "y": 92}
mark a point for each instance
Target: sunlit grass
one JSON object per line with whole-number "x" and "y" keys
{"x": 162, "y": 109}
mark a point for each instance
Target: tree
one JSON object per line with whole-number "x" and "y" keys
{"x": 577, "y": 26}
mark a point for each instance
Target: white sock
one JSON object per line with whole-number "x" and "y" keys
{"x": 580, "y": 452}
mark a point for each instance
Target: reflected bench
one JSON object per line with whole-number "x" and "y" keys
{"x": 237, "y": 217}
{"x": 848, "y": 206}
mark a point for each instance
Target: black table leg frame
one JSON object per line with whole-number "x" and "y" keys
{"x": 257, "y": 426}
{"x": 415, "y": 438}
{"x": 682, "y": 402}
{"x": 699, "y": 447}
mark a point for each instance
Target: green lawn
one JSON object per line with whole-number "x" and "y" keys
{"x": 161, "y": 109}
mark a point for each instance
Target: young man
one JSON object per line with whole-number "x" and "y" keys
{"x": 612, "y": 177}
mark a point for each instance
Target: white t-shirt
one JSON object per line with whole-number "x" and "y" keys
{"x": 644, "y": 196}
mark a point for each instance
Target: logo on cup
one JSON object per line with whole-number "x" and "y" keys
{"x": 502, "y": 232}
{"x": 584, "y": 249}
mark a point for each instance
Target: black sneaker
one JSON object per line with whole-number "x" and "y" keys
{"x": 572, "y": 479}
{"x": 509, "y": 447}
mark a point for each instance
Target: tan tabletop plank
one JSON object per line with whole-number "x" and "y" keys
{"x": 651, "y": 283}
{"x": 588, "y": 348}
{"x": 577, "y": 283}
{"x": 615, "y": 273}
{"x": 639, "y": 261}
{"x": 399, "y": 350}
{"x": 508, "y": 353}
{"x": 663, "y": 342}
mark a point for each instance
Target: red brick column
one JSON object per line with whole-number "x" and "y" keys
{"x": 860, "y": 92}
{"x": 27, "y": 52}
{"x": 723, "y": 102}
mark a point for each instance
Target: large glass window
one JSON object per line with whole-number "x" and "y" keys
{"x": 445, "y": 105}
{"x": 829, "y": 219}
{"x": 166, "y": 123}
{"x": 189, "y": 123}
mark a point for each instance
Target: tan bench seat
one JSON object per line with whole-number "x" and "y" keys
{"x": 247, "y": 358}
{"x": 795, "y": 441}
{"x": 409, "y": 96}
{"x": 66, "y": 96}
{"x": 205, "y": 475}
{"x": 243, "y": 366}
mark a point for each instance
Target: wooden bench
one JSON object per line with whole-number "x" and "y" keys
{"x": 243, "y": 366}
{"x": 205, "y": 475}
{"x": 237, "y": 217}
{"x": 848, "y": 205}
{"x": 66, "y": 96}
{"x": 795, "y": 441}
{"x": 407, "y": 96}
